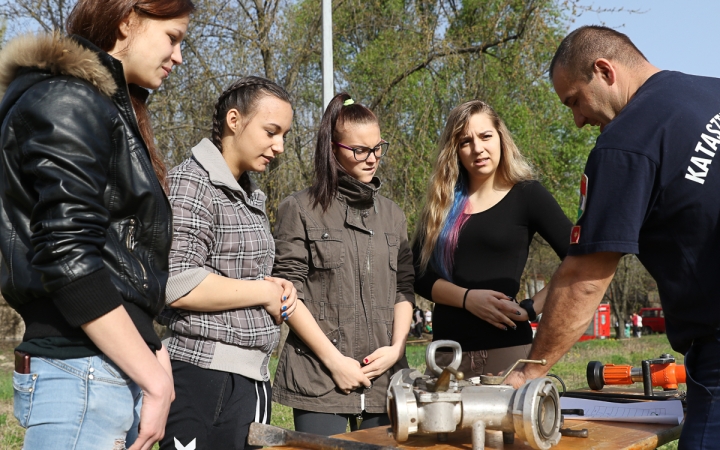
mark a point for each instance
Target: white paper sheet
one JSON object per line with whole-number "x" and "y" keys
{"x": 662, "y": 411}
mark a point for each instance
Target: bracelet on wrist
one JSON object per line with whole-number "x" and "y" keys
{"x": 529, "y": 305}
{"x": 465, "y": 298}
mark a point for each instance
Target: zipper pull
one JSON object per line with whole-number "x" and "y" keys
{"x": 362, "y": 402}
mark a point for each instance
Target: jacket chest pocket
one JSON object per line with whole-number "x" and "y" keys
{"x": 393, "y": 246}
{"x": 326, "y": 247}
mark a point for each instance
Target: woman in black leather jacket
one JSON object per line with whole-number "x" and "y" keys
{"x": 85, "y": 223}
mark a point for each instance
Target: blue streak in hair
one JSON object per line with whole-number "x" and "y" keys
{"x": 444, "y": 252}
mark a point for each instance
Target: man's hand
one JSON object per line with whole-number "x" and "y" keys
{"x": 516, "y": 379}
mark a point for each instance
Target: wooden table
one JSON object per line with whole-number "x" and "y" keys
{"x": 601, "y": 435}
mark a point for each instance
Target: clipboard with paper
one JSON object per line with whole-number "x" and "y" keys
{"x": 660, "y": 412}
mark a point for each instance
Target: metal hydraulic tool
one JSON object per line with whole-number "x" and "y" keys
{"x": 445, "y": 402}
{"x": 659, "y": 372}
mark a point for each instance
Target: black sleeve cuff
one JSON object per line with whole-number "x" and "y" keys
{"x": 529, "y": 305}
{"x": 87, "y": 298}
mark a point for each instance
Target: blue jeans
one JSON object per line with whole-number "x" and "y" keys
{"x": 83, "y": 403}
{"x": 702, "y": 421}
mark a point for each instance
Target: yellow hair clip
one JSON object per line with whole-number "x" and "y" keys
{"x": 348, "y": 102}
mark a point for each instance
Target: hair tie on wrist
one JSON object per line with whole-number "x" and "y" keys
{"x": 465, "y": 298}
{"x": 348, "y": 102}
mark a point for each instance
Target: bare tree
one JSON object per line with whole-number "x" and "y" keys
{"x": 628, "y": 290}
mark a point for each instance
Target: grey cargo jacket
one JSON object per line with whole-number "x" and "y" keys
{"x": 350, "y": 265}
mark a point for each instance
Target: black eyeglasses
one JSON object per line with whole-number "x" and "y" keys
{"x": 363, "y": 153}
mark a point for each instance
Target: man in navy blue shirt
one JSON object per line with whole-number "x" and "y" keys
{"x": 650, "y": 188}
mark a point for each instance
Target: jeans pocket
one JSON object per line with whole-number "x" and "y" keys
{"x": 116, "y": 373}
{"x": 23, "y": 390}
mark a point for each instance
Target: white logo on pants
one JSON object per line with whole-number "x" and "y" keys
{"x": 179, "y": 446}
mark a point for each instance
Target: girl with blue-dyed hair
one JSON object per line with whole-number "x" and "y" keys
{"x": 483, "y": 209}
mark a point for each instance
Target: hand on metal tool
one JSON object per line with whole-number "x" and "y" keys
{"x": 495, "y": 308}
{"x": 516, "y": 379}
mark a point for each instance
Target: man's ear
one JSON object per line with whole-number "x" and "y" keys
{"x": 605, "y": 70}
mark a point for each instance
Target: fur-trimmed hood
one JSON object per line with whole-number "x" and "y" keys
{"x": 58, "y": 54}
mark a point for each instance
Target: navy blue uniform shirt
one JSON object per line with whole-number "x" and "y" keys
{"x": 652, "y": 188}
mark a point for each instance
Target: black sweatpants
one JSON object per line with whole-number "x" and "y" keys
{"x": 213, "y": 409}
{"x": 328, "y": 424}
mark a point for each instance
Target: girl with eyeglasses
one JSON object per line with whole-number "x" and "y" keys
{"x": 483, "y": 209}
{"x": 345, "y": 248}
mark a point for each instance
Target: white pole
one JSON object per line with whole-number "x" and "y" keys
{"x": 327, "y": 53}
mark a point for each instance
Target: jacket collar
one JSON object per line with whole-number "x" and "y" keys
{"x": 210, "y": 158}
{"x": 58, "y": 54}
{"x": 356, "y": 193}
{"x": 121, "y": 96}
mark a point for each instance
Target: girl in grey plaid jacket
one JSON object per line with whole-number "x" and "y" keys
{"x": 223, "y": 308}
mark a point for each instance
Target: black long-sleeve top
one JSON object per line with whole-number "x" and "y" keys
{"x": 491, "y": 253}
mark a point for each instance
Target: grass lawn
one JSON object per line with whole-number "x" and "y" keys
{"x": 571, "y": 369}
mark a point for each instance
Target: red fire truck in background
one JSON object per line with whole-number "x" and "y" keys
{"x": 653, "y": 320}
{"x": 599, "y": 327}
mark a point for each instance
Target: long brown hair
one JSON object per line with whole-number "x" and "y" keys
{"x": 449, "y": 174}
{"x": 325, "y": 186}
{"x": 99, "y": 21}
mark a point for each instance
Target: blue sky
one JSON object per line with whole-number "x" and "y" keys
{"x": 673, "y": 35}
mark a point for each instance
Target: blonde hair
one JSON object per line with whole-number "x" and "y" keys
{"x": 447, "y": 187}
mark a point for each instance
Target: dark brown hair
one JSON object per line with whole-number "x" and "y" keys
{"x": 99, "y": 21}
{"x": 327, "y": 168}
{"x": 580, "y": 49}
{"x": 243, "y": 95}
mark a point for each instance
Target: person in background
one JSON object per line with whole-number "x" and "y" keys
{"x": 418, "y": 318}
{"x": 472, "y": 241}
{"x": 637, "y": 325}
{"x": 345, "y": 247}
{"x": 428, "y": 321}
{"x": 86, "y": 224}
{"x": 223, "y": 308}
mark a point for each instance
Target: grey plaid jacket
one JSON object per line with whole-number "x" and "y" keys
{"x": 218, "y": 229}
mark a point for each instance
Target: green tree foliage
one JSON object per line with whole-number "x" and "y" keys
{"x": 412, "y": 61}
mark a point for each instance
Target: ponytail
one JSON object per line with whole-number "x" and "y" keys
{"x": 340, "y": 111}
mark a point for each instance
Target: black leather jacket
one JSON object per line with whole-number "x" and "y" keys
{"x": 85, "y": 224}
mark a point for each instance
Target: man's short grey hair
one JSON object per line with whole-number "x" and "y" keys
{"x": 580, "y": 49}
